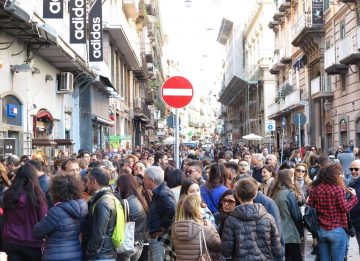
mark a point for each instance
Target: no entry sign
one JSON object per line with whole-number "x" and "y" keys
{"x": 177, "y": 92}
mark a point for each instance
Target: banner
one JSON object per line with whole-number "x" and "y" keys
{"x": 53, "y": 9}
{"x": 77, "y": 10}
{"x": 317, "y": 13}
{"x": 95, "y": 32}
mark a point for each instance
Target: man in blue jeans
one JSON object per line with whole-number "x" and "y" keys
{"x": 161, "y": 209}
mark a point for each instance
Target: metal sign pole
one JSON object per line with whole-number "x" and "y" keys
{"x": 270, "y": 142}
{"x": 177, "y": 139}
{"x": 282, "y": 145}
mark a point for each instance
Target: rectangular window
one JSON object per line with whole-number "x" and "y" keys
{"x": 326, "y": 4}
{"x": 342, "y": 29}
{"x": 343, "y": 82}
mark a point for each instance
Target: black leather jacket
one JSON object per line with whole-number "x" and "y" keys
{"x": 99, "y": 226}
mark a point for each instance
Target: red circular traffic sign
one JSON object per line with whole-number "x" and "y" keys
{"x": 177, "y": 92}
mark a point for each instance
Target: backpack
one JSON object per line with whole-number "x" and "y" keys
{"x": 119, "y": 229}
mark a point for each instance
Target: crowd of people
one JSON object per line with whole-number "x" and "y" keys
{"x": 239, "y": 203}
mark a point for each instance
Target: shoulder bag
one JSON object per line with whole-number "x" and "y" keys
{"x": 203, "y": 256}
{"x": 128, "y": 244}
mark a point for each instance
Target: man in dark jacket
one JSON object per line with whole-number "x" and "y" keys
{"x": 272, "y": 209}
{"x": 250, "y": 232}
{"x": 161, "y": 209}
{"x": 355, "y": 211}
{"x": 101, "y": 218}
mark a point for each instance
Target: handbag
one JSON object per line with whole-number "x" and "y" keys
{"x": 203, "y": 256}
{"x": 128, "y": 244}
{"x": 310, "y": 220}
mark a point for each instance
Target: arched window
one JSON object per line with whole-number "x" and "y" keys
{"x": 11, "y": 110}
{"x": 343, "y": 132}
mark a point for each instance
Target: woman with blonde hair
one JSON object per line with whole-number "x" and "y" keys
{"x": 188, "y": 228}
{"x": 295, "y": 156}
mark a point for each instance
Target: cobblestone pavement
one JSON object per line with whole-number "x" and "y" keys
{"x": 353, "y": 254}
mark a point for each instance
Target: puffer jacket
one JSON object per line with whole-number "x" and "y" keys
{"x": 62, "y": 226}
{"x": 250, "y": 233}
{"x": 185, "y": 236}
{"x": 99, "y": 226}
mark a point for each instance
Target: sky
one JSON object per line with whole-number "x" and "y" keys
{"x": 191, "y": 37}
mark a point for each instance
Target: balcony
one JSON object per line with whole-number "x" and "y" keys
{"x": 278, "y": 16}
{"x": 331, "y": 64}
{"x": 305, "y": 30}
{"x": 273, "y": 109}
{"x": 277, "y": 65}
{"x": 130, "y": 8}
{"x": 149, "y": 97}
{"x": 285, "y": 56}
{"x": 349, "y": 49}
{"x": 321, "y": 88}
{"x": 123, "y": 33}
{"x": 284, "y": 5}
{"x": 290, "y": 100}
{"x": 273, "y": 25}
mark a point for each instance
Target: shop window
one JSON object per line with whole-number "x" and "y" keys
{"x": 11, "y": 111}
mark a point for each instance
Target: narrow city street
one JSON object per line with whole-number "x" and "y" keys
{"x": 164, "y": 130}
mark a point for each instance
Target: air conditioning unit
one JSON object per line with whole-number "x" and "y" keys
{"x": 137, "y": 103}
{"x": 65, "y": 82}
{"x": 22, "y": 9}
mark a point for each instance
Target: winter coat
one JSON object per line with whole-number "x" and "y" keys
{"x": 161, "y": 209}
{"x": 212, "y": 197}
{"x": 265, "y": 185}
{"x": 99, "y": 226}
{"x": 355, "y": 211}
{"x": 138, "y": 215}
{"x": 291, "y": 218}
{"x": 20, "y": 220}
{"x": 185, "y": 236}
{"x": 62, "y": 228}
{"x": 250, "y": 233}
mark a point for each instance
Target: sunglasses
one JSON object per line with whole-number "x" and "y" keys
{"x": 191, "y": 171}
{"x": 300, "y": 170}
{"x": 228, "y": 201}
{"x": 354, "y": 169}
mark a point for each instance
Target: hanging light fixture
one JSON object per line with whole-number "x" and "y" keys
{"x": 188, "y": 3}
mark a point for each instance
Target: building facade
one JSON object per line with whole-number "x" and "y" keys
{"x": 53, "y": 98}
{"x": 246, "y": 80}
{"x": 315, "y": 64}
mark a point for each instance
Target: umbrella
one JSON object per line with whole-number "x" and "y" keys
{"x": 252, "y": 136}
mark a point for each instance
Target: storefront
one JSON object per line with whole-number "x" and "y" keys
{"x": 12, "y": 121}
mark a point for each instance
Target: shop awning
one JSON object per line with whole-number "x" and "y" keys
{"x": 105, "y": 86}
{"x": 44, "y": 114}
{"x": 64, "y": 142}
{"x": 41, "y": 37}
{"x": 44, "y": 143}
{"x": 103, "y": 121}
